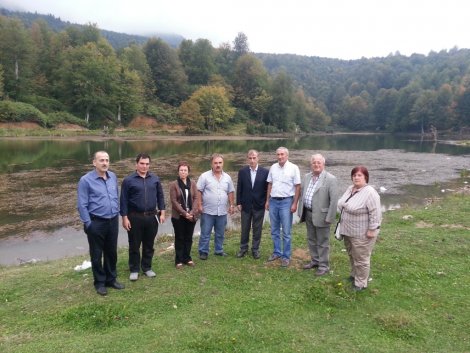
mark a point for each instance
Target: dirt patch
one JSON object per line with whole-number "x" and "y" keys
{"x": 23, "y": 125}
{"x": 422, "y": 224}
{"x": 146, "y": 123}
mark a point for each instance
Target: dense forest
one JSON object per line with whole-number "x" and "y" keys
{"x": 51, "y": 73}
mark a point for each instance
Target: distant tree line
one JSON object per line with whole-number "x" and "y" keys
{"x": 77, "y": 75}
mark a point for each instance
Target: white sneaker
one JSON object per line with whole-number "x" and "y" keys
{"x": 150, "y": 273}
{"x": 134, "y": 276}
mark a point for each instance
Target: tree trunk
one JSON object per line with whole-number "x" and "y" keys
{"x": 119, "y": 114}
{"x": 17, "y": 70}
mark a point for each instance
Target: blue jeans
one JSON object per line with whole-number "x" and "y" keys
{"x": 207, "y": 223}
{"x": 281, "y": 217}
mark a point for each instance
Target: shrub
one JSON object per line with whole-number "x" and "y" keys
{"x": 255, "y": 129}
{"x": 21, "y": 112}
{"x": 57, "y": 118}
{"x": 44, "y": 104}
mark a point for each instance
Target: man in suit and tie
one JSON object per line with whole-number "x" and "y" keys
{"x": 251, "y": 198}
{"x": 317, "y": 207}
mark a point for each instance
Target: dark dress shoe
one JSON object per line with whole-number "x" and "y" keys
{"x": 203, "y": 256}
{"x": 310, "y": 265}
{"x": 102, "y": 291}
{"x": 115, "y": 285}
{"x": 256, "y": 255}
{"x": 241, "y": 253}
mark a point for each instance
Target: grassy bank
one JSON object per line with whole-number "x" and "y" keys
{"x": 417, "y": 301}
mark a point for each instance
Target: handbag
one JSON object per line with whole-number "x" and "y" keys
{"x": 338, "y": 234}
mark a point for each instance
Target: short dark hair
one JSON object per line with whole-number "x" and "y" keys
{"x": 142, "y": 156}
{"x": 183, "y": 164}
{"x": 363, "y": 170}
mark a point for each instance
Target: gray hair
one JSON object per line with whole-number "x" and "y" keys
{"x": 319, "y": 156}
{"x": 283, "y": 149}
{"x": 216, "y": 155}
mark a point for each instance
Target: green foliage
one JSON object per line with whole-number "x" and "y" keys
{"x": 198, "y": 60}
{"x": 21, "y": 112}
{"x": 1, "y": 81}
{"x": 162, "y": 112}
{"x": 208, "y": 108}
{"x": 44, "y": 104}
{"x": 167, "y": 72}
{"x": 253, "y": 128}
{"x": 77, "y": 70}
{"x": 15, "y": 57}
{"x": 63, "y": 117}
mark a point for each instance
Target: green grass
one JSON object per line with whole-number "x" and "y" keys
{"x": 418, "y": 300}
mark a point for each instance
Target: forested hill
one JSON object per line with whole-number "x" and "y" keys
{"x": 77, "y": 74}
{"x": 116, "y": 39}
{"x": 396, "y": 92}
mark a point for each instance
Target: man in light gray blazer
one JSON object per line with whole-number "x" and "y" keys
{"x": 317, "y": 207}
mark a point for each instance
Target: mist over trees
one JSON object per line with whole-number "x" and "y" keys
{"x": 76, "y": 74}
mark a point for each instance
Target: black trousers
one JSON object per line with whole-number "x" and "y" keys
{"x": 253, "y": 219}
{"x": 143, "y": 232}
{"x": 184, "y": 230}
{"x": 102, "y": 237}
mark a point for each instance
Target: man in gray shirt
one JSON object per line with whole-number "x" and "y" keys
{"x": 216, "y": 200}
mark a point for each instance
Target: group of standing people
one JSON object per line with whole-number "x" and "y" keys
{"x": 279, "y": 190}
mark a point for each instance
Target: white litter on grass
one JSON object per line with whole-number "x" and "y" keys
{"x": 23, "y": 261}
{"x": 86, "y": 264}
{"x": 382, "y": 189}
{"x": 407, "y": 217}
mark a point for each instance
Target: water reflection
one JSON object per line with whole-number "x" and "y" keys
{"x": 27, "y": 154}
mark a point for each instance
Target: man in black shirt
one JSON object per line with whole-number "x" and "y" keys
{"x": 141, "y": 193}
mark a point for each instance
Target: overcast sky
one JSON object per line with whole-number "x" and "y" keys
{"x": 346, "y": 29}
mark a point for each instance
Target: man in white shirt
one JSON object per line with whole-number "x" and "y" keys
{"x": 283, "y": 195}
{"x": 216, "y": 200}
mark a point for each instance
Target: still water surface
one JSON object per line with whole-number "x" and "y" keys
{"x": 26, "y": 154}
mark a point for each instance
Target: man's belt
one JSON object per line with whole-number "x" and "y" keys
{"x": 147, "y": 213}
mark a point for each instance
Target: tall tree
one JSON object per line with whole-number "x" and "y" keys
{"x": 198, "y": 60}
{"x": 134, "y": 58}
{"x": 250, "y": 79}
{"x": 128, "y": 95}
{"x": 240, "y": 45}
{"x": 224, "y": 61}
{"x": 279, "y": 112}
{"x": 1, "y": 82}
{"x": 211, "y": 104}
{"x": 357, "y": 113}
{"x": 88, "y": 81}
{"x": 43, "y": 68}
{"x": 16, "y": 57}
{"x": 384, "y": 108}
{"x": 167, "y": 71}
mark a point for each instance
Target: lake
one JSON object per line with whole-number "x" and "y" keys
{"x": 38, "y": 177}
